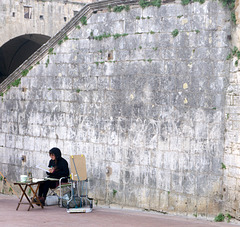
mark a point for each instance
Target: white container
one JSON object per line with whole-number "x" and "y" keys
{"x": 23, "y": 178}
{"x": 51, "y": 200}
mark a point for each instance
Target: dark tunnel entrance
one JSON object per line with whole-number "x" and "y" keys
{"x": 17, "y": 50}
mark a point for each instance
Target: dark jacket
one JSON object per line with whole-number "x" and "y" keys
{"x": 61, "y": 167}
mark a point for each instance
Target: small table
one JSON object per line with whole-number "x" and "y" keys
{"x": 23, "y": 186}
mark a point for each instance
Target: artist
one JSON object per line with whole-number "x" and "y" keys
{"x": 58, "y": 168}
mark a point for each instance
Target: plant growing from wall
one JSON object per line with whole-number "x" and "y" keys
{"x": 25, "y": 72}
{"x": 109, "y": 8}
{"x": 16, "y": 82}
{"x": 60, "y": 42}
{"x": 233, "y": 17}
{"x": 223, "y": 166}
{"x": 229, "y": 217}
{"x": 115, "y": 36}
{"x": 145, "y": 3}
{"x": 47, "y": 62}
{"x": 114, "y": 192}
{"x": 105, "y": 35}
{"x": 234, "y": 53}
{"x": 65, "y": 38}
{"x": 99, "y": 62}
{"x": 83, "y": 20}
{"x": 118, "y": 9}
{"x": 175, "y": 33}
{"x": 186, "y": 2}
{"x": 50, "y": 51}
{"x": 219, "y": 218}
{"x": 101, "y": 37}
{"x": 127, "y": 8}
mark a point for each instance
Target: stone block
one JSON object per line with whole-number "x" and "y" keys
{"x": 192, "y": 206}
{"x": 163, "y": 180}
{"x": 220, "y": 53}
{"x": 202, "y": 206}
{"x": 2, "y": 140}
{"x": 154, "y": 199}
{"x": 182, "y": 205}
{"x": 202, "y": 185}
{"x": 164, "y": 201}
{"x": 172, "y": 202}
{"x": 177, "y": 183}
{"x": 28, "y": 143}
{"x": 10, "y": 140}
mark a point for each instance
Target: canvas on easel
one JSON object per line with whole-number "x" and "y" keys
{"x": 78, "y": 167}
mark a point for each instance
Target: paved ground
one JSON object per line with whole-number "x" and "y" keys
{"x": 99, "y": 217}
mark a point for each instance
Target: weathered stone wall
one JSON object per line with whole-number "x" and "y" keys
{"x": 231, "y": 186}
{"x": 147, "y": 106}
{"x": 47, "y": 17}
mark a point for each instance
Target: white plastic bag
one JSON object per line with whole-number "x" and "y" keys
{"x": 51, "y": 200}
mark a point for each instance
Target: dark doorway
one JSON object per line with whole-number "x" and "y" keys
{"x": 17, "y": 50}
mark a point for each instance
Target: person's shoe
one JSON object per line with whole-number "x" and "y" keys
{"x": 42, "y": 200}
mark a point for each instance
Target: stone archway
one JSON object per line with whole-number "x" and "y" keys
{"x": 14, "y": 52}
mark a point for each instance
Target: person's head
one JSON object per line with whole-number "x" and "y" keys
{"x": 55, "y": 153}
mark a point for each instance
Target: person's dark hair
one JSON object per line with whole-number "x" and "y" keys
{"x": 56, "y": 151}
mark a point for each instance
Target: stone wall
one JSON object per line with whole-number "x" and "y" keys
{"x": 47, "y": 17}
{"x": 231, "y": 186}
{"x": 146, "y": 107}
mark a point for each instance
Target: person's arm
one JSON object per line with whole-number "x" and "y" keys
{"x": 51, "y": 165}
{"x": 61, "y": 171}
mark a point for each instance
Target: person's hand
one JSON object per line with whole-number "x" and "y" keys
{"x": 51, "y": 170}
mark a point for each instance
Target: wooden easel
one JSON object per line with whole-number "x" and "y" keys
{"x": 78, "y": 167}
{"x": 4, "y": 178}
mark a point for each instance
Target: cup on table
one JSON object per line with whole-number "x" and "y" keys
{"x": 23, "y": 178}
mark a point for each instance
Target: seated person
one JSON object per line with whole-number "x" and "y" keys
{"x": 58, "y": 168}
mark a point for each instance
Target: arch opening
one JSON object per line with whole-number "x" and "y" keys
{"x": 14, "y": 52}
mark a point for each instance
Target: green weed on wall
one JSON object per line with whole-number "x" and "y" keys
{"x": 145, "y": 3}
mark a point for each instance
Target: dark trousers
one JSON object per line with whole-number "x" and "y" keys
{"x": 44, "y": 187}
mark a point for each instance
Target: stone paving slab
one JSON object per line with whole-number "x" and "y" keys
{"x": 100, "y": 217}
